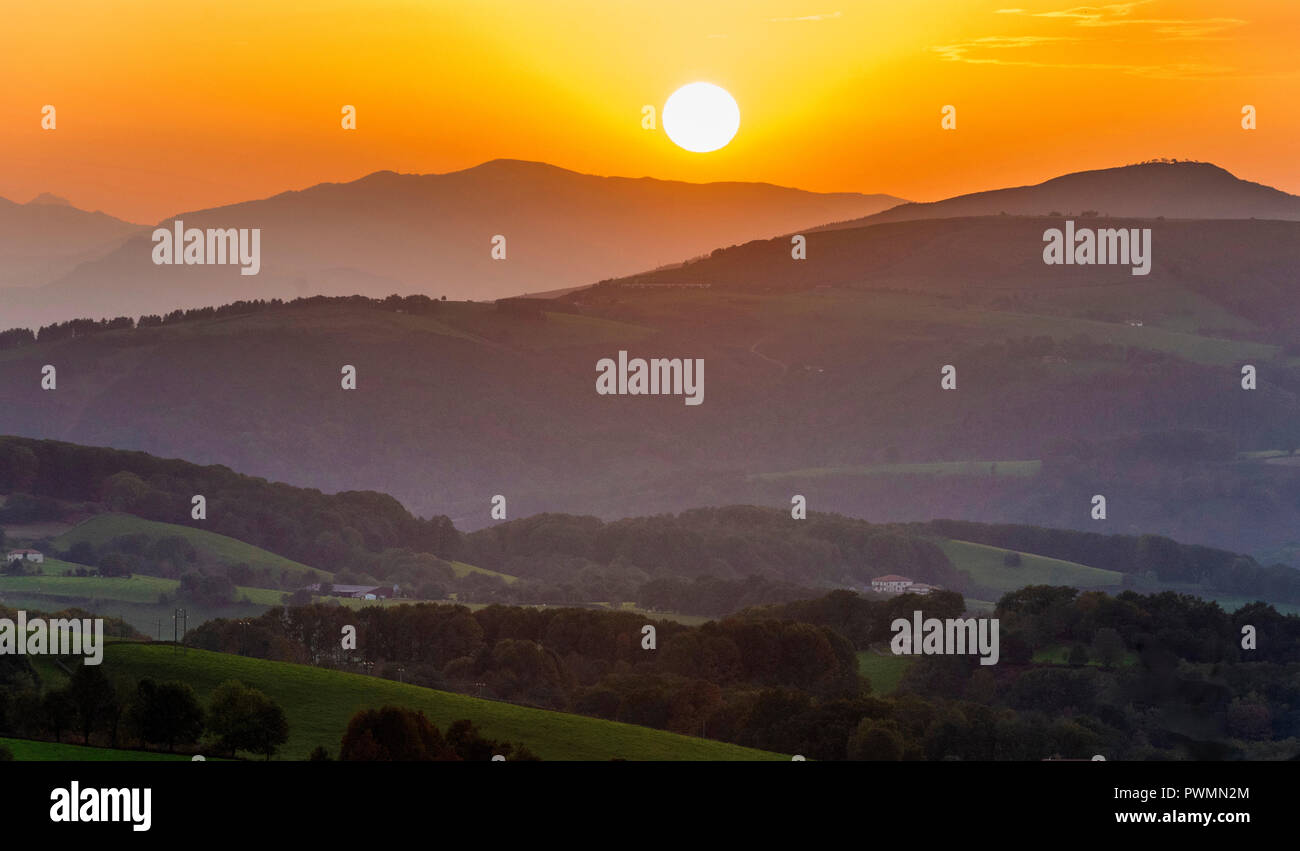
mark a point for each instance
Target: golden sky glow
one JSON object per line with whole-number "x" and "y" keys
{"x": 165, "y": 107}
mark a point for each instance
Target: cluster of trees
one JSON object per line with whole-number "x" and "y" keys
{"x": 397, "y": 734}
{"x": 15, "y": 337}
{"x": 1168, "y": 678}
{"x": 123, "y": 555}
{"x": 1188, "y": 627}
{"x": 210, "y": 589}
{"x": 159, "y": 714}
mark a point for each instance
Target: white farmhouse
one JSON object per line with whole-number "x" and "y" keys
{"x": 891, "y": 583}
{"x": 25, "y": 555}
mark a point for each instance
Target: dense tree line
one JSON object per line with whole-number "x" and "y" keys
{"x": 347, "y": 530}
{"x": 1161, "y": 676}
{"x": 549, "y": 657}
{"x": 784, "y": 676}
{"x": 730, "y": 543}
{"x": 16, "y": 337}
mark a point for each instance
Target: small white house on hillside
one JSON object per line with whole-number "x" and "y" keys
{"x": 890, "y": 583}
{"x": 25, "y": 555}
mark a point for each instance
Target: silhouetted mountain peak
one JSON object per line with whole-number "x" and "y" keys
{"x": 1182, "y": 190}
{"x": 51, "y": 200}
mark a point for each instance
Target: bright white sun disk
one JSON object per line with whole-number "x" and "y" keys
{"x": 701, "y": 117}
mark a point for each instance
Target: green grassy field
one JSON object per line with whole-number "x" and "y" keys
{"x": 30, "y": 751}
{"x": 135, "y": 600}
{"x": 134, "y": 589}
{"x": 460, "y": 568}
{"x": 885, "y": 672}
{"x": 102, "y": 528}
{"x": 984, "y": 565}
{"x": 319, "y": 703}
{"x": 59, "y": 567}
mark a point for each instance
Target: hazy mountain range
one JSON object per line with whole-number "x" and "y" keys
{"x": 47, "y": 238}
{"x": 407, "y": 233}
{"x": 822, "y": 378}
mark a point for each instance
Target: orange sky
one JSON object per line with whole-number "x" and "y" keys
{"x": 165, "y": 107}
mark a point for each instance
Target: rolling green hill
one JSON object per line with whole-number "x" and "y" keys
{"x": 102, "y": 528}
{"x": 319, "y": 702}
{"x": 984, "y": 565}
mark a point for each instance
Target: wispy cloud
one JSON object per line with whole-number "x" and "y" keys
{"x": 1095, "y": 15}
{"x": 821, "y": 17}
{"x": 1121, "y": 15}
{"x": 959, "y": 52}
{"x": 998, "y": 50}
{"x": 962, "y": 52}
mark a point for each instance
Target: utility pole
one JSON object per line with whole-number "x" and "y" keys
{"x": 179, "y": 624}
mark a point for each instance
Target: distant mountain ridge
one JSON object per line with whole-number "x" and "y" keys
{"x": 1183, "y": 190}
{"x": 432, "y": 234}
{"x": 47, "y": 237}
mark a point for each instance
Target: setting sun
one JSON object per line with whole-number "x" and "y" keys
{"x": 701, "y": 117}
